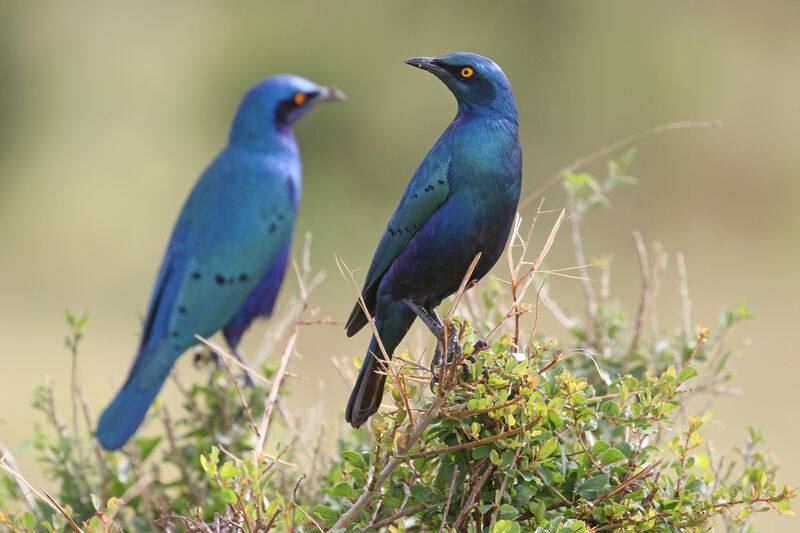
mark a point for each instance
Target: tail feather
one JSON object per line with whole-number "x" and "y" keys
{"x": 124, "y": 415}
{"x": 365, "y": 399}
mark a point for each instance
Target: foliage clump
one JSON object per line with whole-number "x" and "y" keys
{"x": 599, "y": 431}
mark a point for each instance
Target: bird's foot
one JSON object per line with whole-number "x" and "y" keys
{"x": 455, "y": 350}
{"x": 479, "y": 346}
{"x": 439, "y": 360}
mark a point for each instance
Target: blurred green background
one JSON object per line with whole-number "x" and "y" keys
{"x": 108, "y": 112}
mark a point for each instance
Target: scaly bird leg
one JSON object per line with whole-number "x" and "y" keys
{"x": 428, "y": 317}
{"x": 431, "y": 319}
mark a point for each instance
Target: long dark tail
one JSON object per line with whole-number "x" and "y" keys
{"x": 365, "y": 399}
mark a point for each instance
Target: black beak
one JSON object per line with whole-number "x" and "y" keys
{"x": 429, "y": 64}
{"x": 330, "y": 93}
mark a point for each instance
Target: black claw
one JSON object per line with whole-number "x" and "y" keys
{"x": 479, "y": 346}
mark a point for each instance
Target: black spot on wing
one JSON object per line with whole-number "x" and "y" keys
{"x": 182, "y": 309}
{"x": 242, "y": 277}
{"x": 196, "y": 275}
{"x": 220, "y": 279}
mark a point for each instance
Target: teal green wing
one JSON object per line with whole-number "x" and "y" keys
{"x": 427, "y": 191}
{"x": 221, "y": 246}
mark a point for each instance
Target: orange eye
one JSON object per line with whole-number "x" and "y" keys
{"x": 300, "y": 98}
{"x": 467, "y": 72}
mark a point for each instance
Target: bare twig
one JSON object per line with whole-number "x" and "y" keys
{"x": 473, "y": 443}
{"x": 528, "y": 277}
{"x": 8, "y": 462}
{"x": 602, "y": 152}
{"x": 644, "y": 268}
{"x": 263, "y": 426}
{"x": 449, "y": 498}
{"x": 238, "y": 390}
{"x": 591, "y": 303}
{"x": 63, "y": 513}
{"x": 462, "y": 515}
{"x": 396, "y": 516}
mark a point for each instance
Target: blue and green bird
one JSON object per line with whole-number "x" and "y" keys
{"x": 461, "y": 200}
{"x": 228, "y": 252}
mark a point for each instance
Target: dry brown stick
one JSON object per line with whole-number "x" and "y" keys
{"x": 586, "y": 159}
{"x": 473, "y": 443}
{"x": 225, "y": 356}
{"x": 449, "y": 498}
{"x": 528, "y": 277}
{"x": 263, "y": 426}
{"x": 472, "y": 496}
{"x": 63, "y": 513}
{"x": 591, "y": 303}
{"x": 642, "y": 473}
{"x": 7, "y": 462}
{"x": 238, "y": 389}
{"x": 644, "y": 269}
{"x": 399, "y": 514}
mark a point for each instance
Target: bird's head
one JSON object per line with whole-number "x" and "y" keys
{"x": 276, "y": 103}
{"x": 476, "y": 81}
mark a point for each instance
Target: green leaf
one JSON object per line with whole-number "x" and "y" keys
{"x": 612, "y": 455}
{"x": 548, "y": 448}
{"x": 503, "y": 526}
{"x": 28, "y": 520}
{"x": 508, "y": 511}
{"x": 205, "y": 465}
{"x": 687, "y": 372}
{"x": 697, "y": 486}
{"x": 229, "y": 496}
{"x": 327, "y": 515}
{"x": 227, "y": 471}
{"x": 354, "y": 459}
{"x": 479, "y": 452}
{"x": 624, "y": 161}
{"x": 594, "y": 487}
{"x": 342, "y": 490}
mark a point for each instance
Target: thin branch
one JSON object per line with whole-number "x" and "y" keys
{"x": 397, "y": 516}
{"x": 462, "y": 515}
{"x": 644, "y": 268}
{"x": 263, "y": 427}
{"x": 602, "y": 152}
{"x": 591, "y": 302}
{"x": 449, "y": 498}
{"x": 7, "y": 462}
{"x": 473, "y": 443}
{"x": 528, "y": 277}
